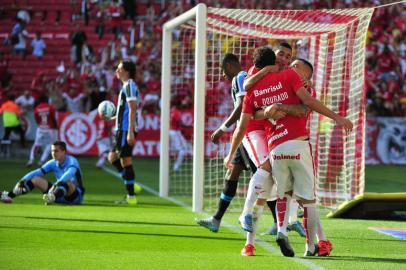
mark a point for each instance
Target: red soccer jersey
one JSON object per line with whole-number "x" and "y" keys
{"x": 278, "y": 88}
{"x": 103, "y": 128}
{"x": 45, "y": 115}
{"x": 176, "y": 116}
{"x": 255, "y": 124}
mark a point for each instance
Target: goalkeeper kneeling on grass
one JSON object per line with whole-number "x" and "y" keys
{"x": 68, "y": 188}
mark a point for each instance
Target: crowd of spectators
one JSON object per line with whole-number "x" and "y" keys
{"x": 89, "y": 78}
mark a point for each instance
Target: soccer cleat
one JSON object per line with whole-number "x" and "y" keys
{"x": 5, "y": 198}
{"x": 271, "y": 231}
{"x": 248, "y": 250}
{"x": 48, "y": 198}
{"x": 137, "y": 189}
{"x": 297, "y": 227}
{"x": 309, "y": 253}
{"x": 210, "y": 223}
{"x": 324, "y": 248}
{"x": 246, "y": 222}
{"x": 29, "y": 164}
{"x": 283, "y": 243}
{"x": 131, "y": 200}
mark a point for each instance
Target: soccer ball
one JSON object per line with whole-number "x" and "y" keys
{"x": 106, "y": 109}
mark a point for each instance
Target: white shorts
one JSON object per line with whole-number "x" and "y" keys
{"x": 104, "y": 145}
{"x": 256, "y": 144}
{"x": 292, "y": 169}
{"x": 269, "y": 190}
{"x": 45, "y": 136}
{"x": 177, "y": 141}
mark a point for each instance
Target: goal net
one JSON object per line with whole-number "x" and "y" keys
{"x": 332, "y": 40}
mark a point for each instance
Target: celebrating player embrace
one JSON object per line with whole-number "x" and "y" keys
{"x": 290, "y": 155}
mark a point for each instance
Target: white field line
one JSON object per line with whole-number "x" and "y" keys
{"x": 265, "y": 245}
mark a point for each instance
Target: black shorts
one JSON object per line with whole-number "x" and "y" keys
{"x": 241, "y": 158}
{"x": 120, "y": 144}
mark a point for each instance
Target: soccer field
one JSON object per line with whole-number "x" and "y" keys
{"x": 158, "y": 234}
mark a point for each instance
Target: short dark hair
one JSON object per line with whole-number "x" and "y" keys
{"x": 129, "y": 66}
{"x": 11, "y": 97}
{"x": 61, "y": 144}
{"x": 43, "y": 98}
{"x": 229, "y": 58}
{"x": 263, "y": 56}
{"x": 307, "y": 63}
{"x": 285, "y": 44}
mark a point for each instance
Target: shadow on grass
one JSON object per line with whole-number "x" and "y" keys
{"x": 107, "y": 203}
{"x": 360, "y": 259}
{"x": 119, "y": 233}
{"x": 106, "y": 221}
{"x": 368, "y": 239}
{"x": 100, "y": 203}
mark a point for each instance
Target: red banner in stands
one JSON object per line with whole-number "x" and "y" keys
{"x": 83, "y": 131}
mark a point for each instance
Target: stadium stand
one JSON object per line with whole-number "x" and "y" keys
{"x": 140, "y": 39}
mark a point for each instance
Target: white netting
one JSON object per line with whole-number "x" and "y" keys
{"x": 332, "y": 40}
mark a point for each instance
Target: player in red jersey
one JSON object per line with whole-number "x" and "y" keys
{"x": 324, "y": 246}
{"x": 262, "y": 188}
{"x": 47, "y": 130}
{"x": 283, "y": 57}
{"x": 178, "y": 142}
{"x": 286, "y": 87}
{"x": 103, "y": 138}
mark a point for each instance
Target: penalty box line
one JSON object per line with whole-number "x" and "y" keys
{"x": 265, "y": 245}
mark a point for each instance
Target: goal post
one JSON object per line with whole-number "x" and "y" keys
{"x": 199, "y": 14}
{"x": 193, "y": 46}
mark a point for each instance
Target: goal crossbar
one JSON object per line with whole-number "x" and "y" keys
{"x": 336, "y": 42}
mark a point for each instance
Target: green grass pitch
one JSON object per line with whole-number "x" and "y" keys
{"x": 158, "y": 234}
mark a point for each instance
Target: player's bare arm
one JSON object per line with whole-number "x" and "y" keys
{"x": 132, "y": 105}
{"x": 249, "y": 82}
{"x": 270, "y": 112}
{"x": 234, "y": 116}
{"x": 319, "y": 107}
{"x": 237, "y": 138}
{"x": 294, "y": 110}
{"x": 277, "y": 111}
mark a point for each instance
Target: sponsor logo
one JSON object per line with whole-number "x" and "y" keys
{"x": 279, "y": 135}
{"x": 272, "y": 88}
{"x": 282, "y": 156}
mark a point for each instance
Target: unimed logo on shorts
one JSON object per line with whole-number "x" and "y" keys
{"x": 79, "y": 133}
{"x": 282, "y": 156}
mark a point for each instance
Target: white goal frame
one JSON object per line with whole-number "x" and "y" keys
{"x": 339, "y": 38}
{"x": 200, "y": 13}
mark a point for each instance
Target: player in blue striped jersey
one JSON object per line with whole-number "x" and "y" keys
{"x": 128, "y": 110}
{"x": 233, "y": 72}
{"x": 68, "y": 188}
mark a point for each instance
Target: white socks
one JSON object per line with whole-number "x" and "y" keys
{"x": 293, "y": 206}
{"x": 45, "y": 153}
{"x": 257, "y": 214}
{"x": 256, "y": 183}
{"x": 310, "y": 222}
{"x": 179, "y": 160}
